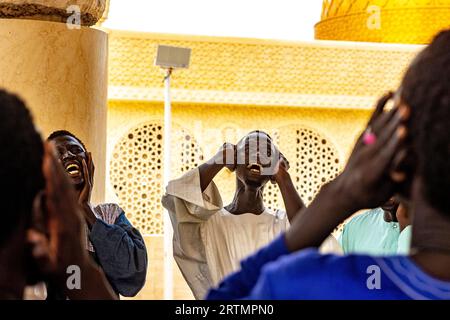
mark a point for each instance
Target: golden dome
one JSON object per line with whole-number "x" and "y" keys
{"x": 395, "y": 21}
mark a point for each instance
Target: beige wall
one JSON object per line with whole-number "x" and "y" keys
{"x": 62, "y": 75}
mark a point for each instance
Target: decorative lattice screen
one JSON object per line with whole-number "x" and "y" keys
{"x": 136, "y": 172}
{"x": 316, "y": 162}
{"x": 136, "y": 175}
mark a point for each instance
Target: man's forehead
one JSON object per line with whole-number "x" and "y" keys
{"x": 66, "y": 140}
{"x": 255, "y": 136}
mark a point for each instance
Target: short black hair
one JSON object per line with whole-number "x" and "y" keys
{"x": 21, "y": 155}
{"x": 62, "y": 133}
{"x": 260, "y": 131}
{"x": 257, "y": 132}
{"x": 426, "y": 89}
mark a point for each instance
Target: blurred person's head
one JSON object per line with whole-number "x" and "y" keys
{"x": 426, "y": 90}
{"x": 21, "y": 156}
{"x": 20, "y": 163}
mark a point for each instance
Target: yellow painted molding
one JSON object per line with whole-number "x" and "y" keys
{"x": 243, "y": 98}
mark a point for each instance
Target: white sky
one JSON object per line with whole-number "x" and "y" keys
{"x": 266, "y": 19}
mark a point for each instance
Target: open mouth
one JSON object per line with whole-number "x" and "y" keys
{"x": 255, "y": 168}
{"x": 73, "y": 169}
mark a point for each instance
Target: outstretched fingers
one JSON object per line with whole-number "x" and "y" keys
{"x": 86, "y": 172}
{"x": 91, "y": 168}
{"x": 392, "y": 146}
{"x": 379, "y": 109}
{"x": 376, "y": 120}
{"x": 397, "y": 173}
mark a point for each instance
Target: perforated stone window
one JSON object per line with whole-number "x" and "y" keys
{"x": 313, "y": 159}
{"x": 136, "y": 175}
{"x": 136, "y": 172}
{"x": 316, "y": 162}
{"x": 188, "y": 153}
{"x": 272, "y": 196}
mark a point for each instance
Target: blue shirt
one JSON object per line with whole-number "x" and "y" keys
{"x": 273, "y": 273}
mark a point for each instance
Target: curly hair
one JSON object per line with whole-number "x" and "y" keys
{"x": 21, "y": 157}
{"x": 257, "y": 132}
{"x": 63, "y": 133}
{"x": 426, "y": 89}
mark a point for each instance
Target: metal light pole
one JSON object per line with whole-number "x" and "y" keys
{"x": 168, "y": 231}
{"x": 169, "y": 58}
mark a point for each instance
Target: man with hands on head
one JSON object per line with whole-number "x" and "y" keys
{"x": 209, "y": 238}
{"x": 57, "y": 241}
{"x": 404, "y": 151}
{"x": 41, "y": 235}
{"x": 114, "y": 244}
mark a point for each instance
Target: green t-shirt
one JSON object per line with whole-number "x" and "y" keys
{"x": 368, "y": 233}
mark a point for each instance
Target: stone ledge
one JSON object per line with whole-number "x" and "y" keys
{"x": 41, "y": 12}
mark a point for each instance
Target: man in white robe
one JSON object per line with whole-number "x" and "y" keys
{"x": 209, "y": 239}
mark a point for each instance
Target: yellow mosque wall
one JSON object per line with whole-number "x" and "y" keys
{"x": 312, "y": 98}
